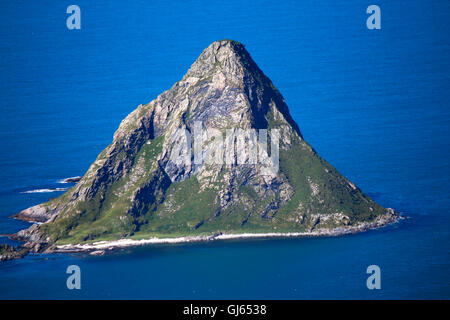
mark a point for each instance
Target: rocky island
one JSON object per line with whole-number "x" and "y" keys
{"x": 134, "y": 193}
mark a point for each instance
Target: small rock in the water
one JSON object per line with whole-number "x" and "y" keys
{"x": 97, "y": 253}
{"x": 8, "y": 252}
{"x": 71, "y": 180}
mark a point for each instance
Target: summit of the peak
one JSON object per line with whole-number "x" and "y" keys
{"x": 226, "y": 43}
{"x": 229, "y": 55}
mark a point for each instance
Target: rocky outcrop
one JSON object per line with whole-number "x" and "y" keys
{"x": 71, "y": 180}
{"x": 36, "y": 213}
{"x": 8, "y": 252}
{"x": 136, "y": 188}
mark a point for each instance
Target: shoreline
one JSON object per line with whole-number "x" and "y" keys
{"x": 100, "y": 247}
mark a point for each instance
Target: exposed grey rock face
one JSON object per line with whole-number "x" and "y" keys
{"x": 134, "y": 186}
{"x": 36, "y": 213}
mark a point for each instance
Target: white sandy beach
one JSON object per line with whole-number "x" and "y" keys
{"x": 122, "y": 243}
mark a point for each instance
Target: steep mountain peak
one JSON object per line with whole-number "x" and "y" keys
{"x": 226, "y": 56}
{"x": 226, "y": 48}
{"x": 135, "y": 188}
{"x": 225, "y": 87}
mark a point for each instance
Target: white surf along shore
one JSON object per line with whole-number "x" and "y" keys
{"x": 60, "y": 181}
{"x": 98, "y": 248}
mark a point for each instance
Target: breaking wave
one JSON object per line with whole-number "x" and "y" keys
{"x": 45, "y": 190}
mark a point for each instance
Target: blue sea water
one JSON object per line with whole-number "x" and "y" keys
{"x": 374, "y": 103}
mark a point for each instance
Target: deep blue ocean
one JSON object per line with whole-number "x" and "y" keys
{"x": 373, "y": 103}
